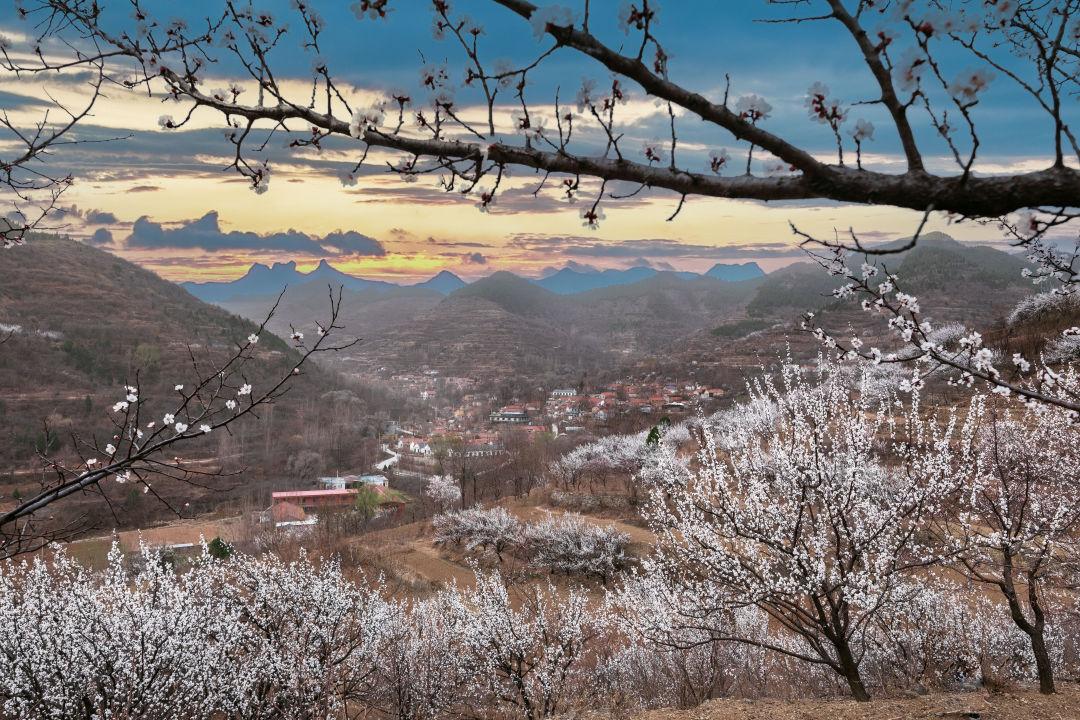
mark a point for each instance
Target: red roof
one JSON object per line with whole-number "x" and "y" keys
{"x": 311, "y": 493}
{"x": 287, "y": 512}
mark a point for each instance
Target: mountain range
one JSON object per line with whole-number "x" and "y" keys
{"x": 578, "y": 320}
{"x": 261, "y": 280}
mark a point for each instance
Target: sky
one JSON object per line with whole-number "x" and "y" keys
{"x": 167, "y": 200}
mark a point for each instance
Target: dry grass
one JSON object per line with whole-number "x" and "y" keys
{"x": 1027, "y": 705}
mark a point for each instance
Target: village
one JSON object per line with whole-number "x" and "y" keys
{"x": 469, "y": 426}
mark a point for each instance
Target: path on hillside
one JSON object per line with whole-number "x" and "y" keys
{"x": 388, "y": 462}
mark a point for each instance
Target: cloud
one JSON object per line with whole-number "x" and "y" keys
{"x": 353, "y": 243}
{"x": 474, "y": 258}
{"x": 206, "y": 234}
{"x": 100, "y": 217}
{"x": 454, "y": 243}
{"x": 15, "y": 101}
{"x": 654, "y": 264}
{"x": 650, "y": 248}
{"x": 101, "y": 236}
{"x": 65, "y": 212}
{"x": 143, "y": 188}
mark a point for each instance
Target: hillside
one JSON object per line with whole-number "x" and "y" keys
{"x": 648, "y": 315}
{"x": 365, "y": 313}
{"x": 517, "y": 295}
{"x": 471, "y": 335}
{"x": 976, "y": 285}
{"x": 792, "y": 290}
{"x": 89, "y": 323}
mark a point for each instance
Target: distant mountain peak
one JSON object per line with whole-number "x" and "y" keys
{"x": 571, "y": 280}
{"x": 444, "y": 282}
{"x": 262, "y": 280}
{"x": 735, "y": 271}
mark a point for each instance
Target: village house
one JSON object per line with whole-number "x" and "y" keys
{"x": 295, "y": 506}
{"x": 333, "y": 499}
{"x": 511, "y": 414}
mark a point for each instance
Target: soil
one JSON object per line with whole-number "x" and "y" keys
{"x": 1021, "y": 705}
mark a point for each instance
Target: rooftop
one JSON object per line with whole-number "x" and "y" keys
{"x": 310, "y": 493}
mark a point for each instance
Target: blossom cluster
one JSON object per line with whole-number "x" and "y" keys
{"x": 567, "y": 544}
{"x": 258, "y": 637}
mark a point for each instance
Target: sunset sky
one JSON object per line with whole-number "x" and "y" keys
{"x": 166, "y": 200}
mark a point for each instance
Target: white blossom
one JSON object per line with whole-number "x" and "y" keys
{"x": 753, "y": 108}
{"x": 863, "y": 130}
{"x": 555, "y": 15}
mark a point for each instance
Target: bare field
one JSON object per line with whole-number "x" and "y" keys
{"x": 409, "y": 550}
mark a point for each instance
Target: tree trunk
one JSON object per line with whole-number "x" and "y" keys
{"x": 1042, "y": 662}
{"x": 850, "y": 670}
{"x": 1034, "y": 630}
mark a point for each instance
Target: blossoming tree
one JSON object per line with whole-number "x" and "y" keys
{"x": 815, "y": 522}
{"x": 1017, "y": 517}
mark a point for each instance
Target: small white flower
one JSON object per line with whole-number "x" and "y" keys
{"x": 718, "y": 160}
{"x": 180, "y": 427}
{"x": 169, "y": 418}
{"x": 968, "y": 84}
{"x": 554, "y": 15}
{"x": 231, "y": 404}
{"x": 753, "y": 108}
{"x": 366, "y": 118}
{"x": 863, "y": 130}
{"x": 178, "y": 388}
{"x": 110, "y": 449}
{"x": 205, "y": 428}
{"x": 909, "y": 70}
{"x": 253, "y": 338}
{"x": 245, "y": 389}
{"x": 151, "y": 424}
{"x": 298, "y": 336}
{"x": 91, "y": 462}
{"x": 120, "y": 406}
{"x": 166, "y": 122}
